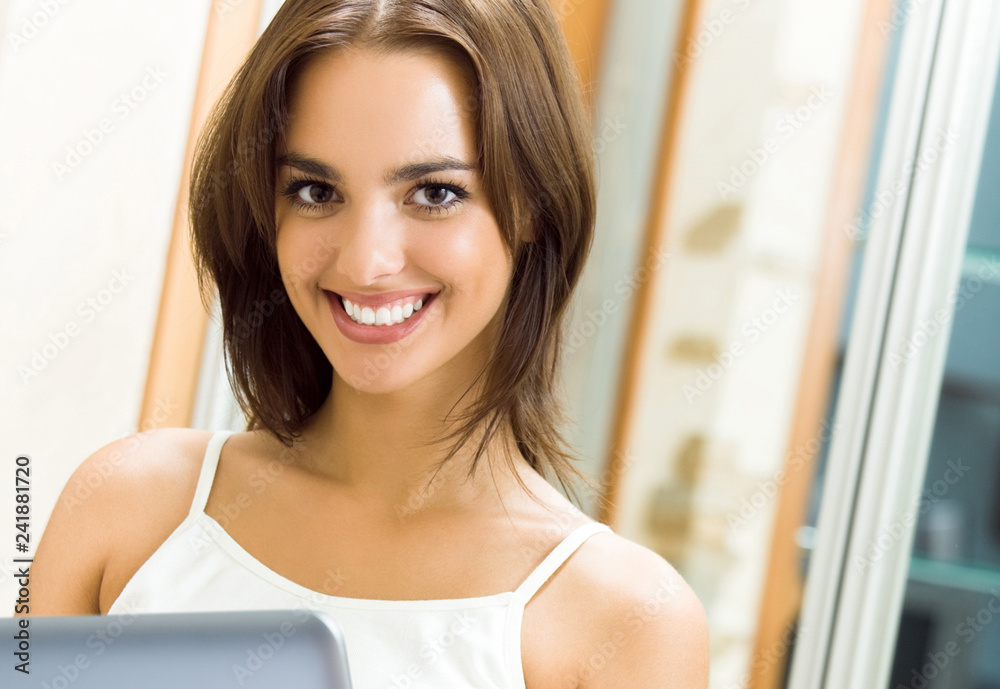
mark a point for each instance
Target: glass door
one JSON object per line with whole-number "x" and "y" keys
{"x": 949, "y": 628}
{"x": 916, "y": 468}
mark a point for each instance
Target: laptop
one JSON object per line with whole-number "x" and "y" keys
{"x": 247, "y": 649}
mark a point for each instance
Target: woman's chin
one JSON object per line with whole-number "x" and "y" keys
{"x": 372, "y": 378}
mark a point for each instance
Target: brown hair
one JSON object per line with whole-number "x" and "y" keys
{"x": 535, "y": 151}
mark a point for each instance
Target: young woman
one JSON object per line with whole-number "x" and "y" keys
{"x": 403, "y": 194}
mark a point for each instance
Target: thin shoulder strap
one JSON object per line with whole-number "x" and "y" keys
{"x": 208, "y": 466}
{"x": 556, "y": 558}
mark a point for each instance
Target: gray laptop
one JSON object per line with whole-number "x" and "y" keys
{"x": 272, "y": 649}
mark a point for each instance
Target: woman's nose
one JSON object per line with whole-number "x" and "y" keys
{"x": 371, "y": 244}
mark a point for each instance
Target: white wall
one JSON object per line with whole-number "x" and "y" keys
{"x": 82, "y": 247}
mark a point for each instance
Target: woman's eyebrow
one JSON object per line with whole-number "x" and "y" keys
{"x": 310, "y": 166}
{"x": 405, "y": 173}
{"x": 416, "y": 170}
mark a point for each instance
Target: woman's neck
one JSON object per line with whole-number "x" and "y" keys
{"x": 379, "y": 449}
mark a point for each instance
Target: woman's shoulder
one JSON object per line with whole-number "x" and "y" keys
{"x": 128, "y": 496}
{"x": 114, "y": 510}
{"x": 150, "y": 467}
{"x": 645, "y": 621}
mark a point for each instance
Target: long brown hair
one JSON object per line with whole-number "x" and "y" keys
{"x": 536, "y": 155}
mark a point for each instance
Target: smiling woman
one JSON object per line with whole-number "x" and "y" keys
{"x": 415, "y": 183}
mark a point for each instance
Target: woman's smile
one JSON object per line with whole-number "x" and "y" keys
{"x": 387, "y": 314}
{"x": 390, "y": 322}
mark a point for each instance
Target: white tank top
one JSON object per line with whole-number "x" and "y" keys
{"x": 456, "y": 643}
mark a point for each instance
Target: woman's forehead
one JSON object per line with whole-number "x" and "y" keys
{"x": 353, "y": 104}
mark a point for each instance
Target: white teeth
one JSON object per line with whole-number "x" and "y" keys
{"x": 383, "y": 316}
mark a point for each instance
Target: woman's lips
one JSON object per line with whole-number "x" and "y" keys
{"x": 376, "y": 334}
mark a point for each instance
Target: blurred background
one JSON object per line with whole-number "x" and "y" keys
{"x": 784, "y": 358}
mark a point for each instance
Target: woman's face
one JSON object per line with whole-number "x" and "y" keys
{"x": 380, "y": 209}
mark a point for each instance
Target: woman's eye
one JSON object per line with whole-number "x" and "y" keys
{"x": 434, "y": 195}
{"x": 315, "y": 194}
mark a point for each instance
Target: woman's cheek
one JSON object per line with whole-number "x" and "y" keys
{"x": 298, "y": 255}
{"x": 293, "y": 264}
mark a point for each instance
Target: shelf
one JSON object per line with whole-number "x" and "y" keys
{"x": 973, "y": 578}
{"x": 981, "y": 261}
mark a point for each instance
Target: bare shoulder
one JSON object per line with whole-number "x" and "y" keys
{"x": 137, "y": 461}
{"x": 148, "y": 470}
{"x": 153, "y": 476}
{"x": 117, "y": 507}
{"x": 648, "y": 628}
